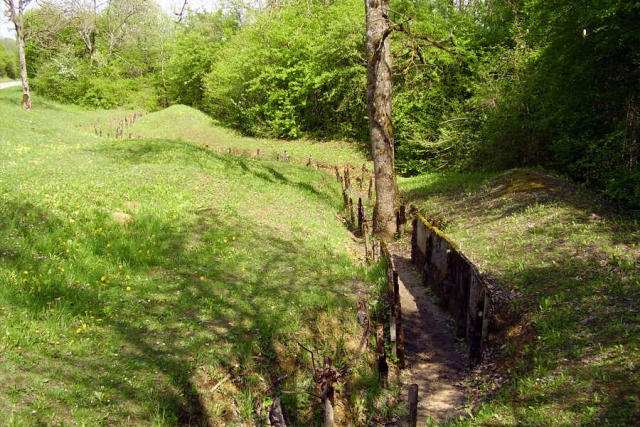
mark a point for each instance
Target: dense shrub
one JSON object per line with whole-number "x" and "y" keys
{"x": 293, "y": 72}
{"x": 7, "y": 63}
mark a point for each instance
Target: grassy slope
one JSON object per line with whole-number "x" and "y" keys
{"x": 183, "y": 123}
{"x": 566, "y": 281}
{"x": 227, "y": 262}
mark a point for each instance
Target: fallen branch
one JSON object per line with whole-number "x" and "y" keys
{"x": 222, "y": 381}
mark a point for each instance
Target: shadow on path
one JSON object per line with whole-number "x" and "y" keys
{"x": 434, "y": 363}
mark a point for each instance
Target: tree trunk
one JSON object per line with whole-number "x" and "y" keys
{"x": 15, "y": 12}
{"x": 26, "y": 95}
{"x": 379, "y": 109}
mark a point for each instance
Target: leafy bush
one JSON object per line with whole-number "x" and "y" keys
{"x": 7, "y": 64}
{"x": 296, "y": 71}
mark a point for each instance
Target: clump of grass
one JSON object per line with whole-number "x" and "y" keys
{"x": 222, "y": 264}
{"x": 564, "y": 275}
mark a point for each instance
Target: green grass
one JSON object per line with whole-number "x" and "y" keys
{"x": 183, "y": 123}
{"x": 222, "y": 263}
{"x": 566, "y": 280}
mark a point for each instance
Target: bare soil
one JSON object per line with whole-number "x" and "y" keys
{"x": 434, "y": 361}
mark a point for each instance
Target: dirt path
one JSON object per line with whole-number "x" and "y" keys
{"x": 9, "y": 84}
{"x": 434, "y": 362}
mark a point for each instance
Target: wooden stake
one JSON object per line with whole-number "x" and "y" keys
{"x": 383, "y": 367}
{"x": 360, "y": 215}
{"x": 413, "y": 405}
{"x": 401, "y": 219}
{"x": 276, "y": 417}
{"x": 367, "y": 241}
{"x": 352, "y": 215}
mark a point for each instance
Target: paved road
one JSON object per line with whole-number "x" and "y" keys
{"x": 9, "y": 84}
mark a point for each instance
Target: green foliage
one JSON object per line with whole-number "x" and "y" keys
{"x": 294, "y": 71}
{"x": 477, "y": 85}
{"x": 67, "y": 79}
{"x": 196, "y": 47}
{"x": 7, "y": 64}
{"x": 433, "y": 80}
{"x": 572, "y": 101}
{"x": 103, "y": 58}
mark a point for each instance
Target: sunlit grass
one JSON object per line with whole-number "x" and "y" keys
{"x": 138, "y": 273}
{"x": 187, "y": 124}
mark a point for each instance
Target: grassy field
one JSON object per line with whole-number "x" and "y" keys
{"x": 565, "y": 276}
{"x": 154, "y": 282}
{"x": 182, "y": 123}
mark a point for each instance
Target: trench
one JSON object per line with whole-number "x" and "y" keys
{"x": 435, "y": 359}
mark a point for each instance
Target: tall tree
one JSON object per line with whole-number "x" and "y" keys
{"x": 379, "y": 88}
{"x": 14, "y": 10}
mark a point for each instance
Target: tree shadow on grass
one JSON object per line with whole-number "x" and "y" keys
{"x": 190, "y": 309}
{"x": 262, "y": 169}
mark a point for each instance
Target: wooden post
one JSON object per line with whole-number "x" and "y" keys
{"x": 370, "y": 192}
{"x": 393, "y": 301}
{"x": 352, "y": 215}
{"x": 413, "y": 405}
{"x": 345, "y": 199}
{"x": 258, "y": 153}
{"x": 400, "y": 353}
{"x": 327, "y": 410}
{"x": 360, "y": 215}
{"x": 338, "y": 177}
{"x": 364, "y": 171}
{"x": 401, "y": 219}
{"x": 276, "y": 418}
{"x": 383, "y": 367}
{"x": 367, "y": 242}
{"x": 375, "y": 250}
{"x": 347, "y": 179}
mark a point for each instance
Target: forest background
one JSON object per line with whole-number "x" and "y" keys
{"x": 478, "y": 85}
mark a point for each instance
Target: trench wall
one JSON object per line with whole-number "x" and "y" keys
{"x": 455, "y": 281}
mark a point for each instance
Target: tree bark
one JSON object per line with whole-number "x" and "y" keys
{"x": 379, "y": 90}
{"x": 16, "y": 15}
{"x": 26, "y": 94}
